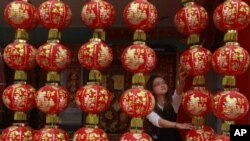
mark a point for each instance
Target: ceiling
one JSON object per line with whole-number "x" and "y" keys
{"x": 166, "y": 10}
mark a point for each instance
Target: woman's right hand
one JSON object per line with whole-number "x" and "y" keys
{"x": 184, "y": 126}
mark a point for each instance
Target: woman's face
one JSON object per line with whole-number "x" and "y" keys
{"x": 160, "y": 87}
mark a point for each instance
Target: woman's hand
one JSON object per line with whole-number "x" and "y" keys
{"x": 183, "y": 74}
{"x": 184, "y": 126}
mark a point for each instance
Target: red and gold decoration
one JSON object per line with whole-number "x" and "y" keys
{"x": 135, "y": 136}
{"x": 221, "y": 138}
{"x": 204, "y": 133}
{"x": 51, "y": 134}
{"x": 90, "y": 134}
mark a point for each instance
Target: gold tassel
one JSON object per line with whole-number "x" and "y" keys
{"x": 20, "y": 75}
{"x": 229, "y": 81}
{"x": 225, "y": 127}
{"x": 95, "y": 76}
{"x": 52, "y": 119}
{"x": 136, "y": 123}
{"x": 53, "y": 76}
{"x": 54, "y": 34}
{"x": 92, "y": 119}
{"x": 193, "y": 39}
{"x": 22, "y": 34}
{"x": 139, "y": 35}
{"x": 100, "y": 34}
{"x": 231, "y": 36}
{"x": 20, "y": 116}
{"x": 138, "y": 79}
{"x": 197, "y": 121}
{"x": 199, "y": 80}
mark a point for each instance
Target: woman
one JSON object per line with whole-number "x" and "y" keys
{"x": 164, "y": 114}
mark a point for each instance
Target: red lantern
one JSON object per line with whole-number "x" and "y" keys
{"x": 51, "y": 134}
{"x": 231, "y": 14}
{"x": 139, "y": 136}
{"x": 191, "y": 19}
{"x": 53, "y": 56}
{"x": 98, "y": 14}
{"x": 90, "y": 134}
{"x": 52, "y": 99}
{"x": 95, "y": 54}
{"x": 54, "y": 14}
{"x": 17, "y": 133}
{"x": 140, "y": 14}
{"x": 221, "y": 138}
{"x": 230, "y": 59}
{"x": 93, "y": 98}
{"x": 203, "y": 134}
{"x": 20, "y": 55}
{"x": 19, "y": 97}
{"x": 137, "y": 102}
{"x": 196, "y": 102}
{"x": 21, "y": 14}
{"x": 138, "y": 58}
{"x": 196, "y": 60}
{"x": 230, "y": 105}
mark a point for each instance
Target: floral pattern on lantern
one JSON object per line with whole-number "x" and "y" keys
{"x": 191, "y": 19}
{"x": 21, "y": 14}
{"x": 138, "y": 58}
{"x": 20, "y": 55}
{"x": 17, "y": 133}
{"x": 95, "y": 54}
{"x": 196, "y": 60}
{"x": 232, "y": 14}
{"x": 230, "y": 59}
{"x": 19, "y": 97}
{"x": 130, "y": 136}
{"x": 137, "y": 102}
{"x": 203, "y": 134}
{"x": 51, "y": 134}
{"x": 196, "y": 102}
{"x": 140, "y": 14}
{"x": 230, "y": 105}
{"x": 93, "y": 98}
{"x": 52, "y": 99}
{"x": 98, "y": 14}
{"x": 54, "y": 14}
{"x": 53, "y": 57}
{"x": 90, "y": 134}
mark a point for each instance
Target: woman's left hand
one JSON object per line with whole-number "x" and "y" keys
{"x": 183, "y": 74}
{"x": 184, "y": 126}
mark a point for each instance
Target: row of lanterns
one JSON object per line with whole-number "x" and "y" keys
{"x": 230, "y": 60}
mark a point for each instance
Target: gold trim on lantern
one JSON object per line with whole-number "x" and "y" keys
{"x": 54, "y": 34}
{"x": 198, "y": 121}
{"x": 95, "y": 76}
{"x": 187, "y": 2}
{"x": 229, "y": 80}
{"x": 53, "y": 76}
{"x": 20, "y": 116}
{"x": 139, "y": 35}
{"x": 199, "y": 80}
{"x": 100, "y": 34}
{"x": 138, "y": 79}
{"x": 193, "y": 39}
{"x": 136, "y": 123}
{"x": 21, "y": 34}
{"x": 92, "y": 119}
{"x": 231, "y": 36}
{"x": 194, "y": 46}
{"x": 225, "y": 127}
{"x": 52, "y": 119}
{"x": 20, "y": 75}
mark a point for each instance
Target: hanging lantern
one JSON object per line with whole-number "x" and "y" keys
{"x": 232, "y": 15}
{"x": 196, "y": 102}
{"x": 18, "y": 132}
{"x": 51, "y": 134}
{"x": 53, "y": 56}
{"x": 20, "y": 55}
{"x": 221, "y": 138}
{"x": 196, "y": 60}
{"x": 52, "y": 99}
{"x": 98, "y": 14}
{"x": 90, "y": 134}
{"x": 95, "y": 55}
{"x": 135, "y": 136}
{"x": 191, "y": 19}
{"x": 140, "y": 14}
{"x": 204, "y": 133}
{"x": 20, "y": 14}
{"x": 93, "y": 98}
{"x": 230, "y": 105}
{"x": 139, "y": 58}
{"x": 54, "y": 14}
{"x": 19, "y": 97}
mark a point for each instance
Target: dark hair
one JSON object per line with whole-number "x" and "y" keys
{"x": 168, "y": 95}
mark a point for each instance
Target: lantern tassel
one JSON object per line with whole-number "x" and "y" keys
{"x": 52, "y": 119}
{"x": 92, "y": 119}
{"x": 225, "y": 127}
{"x": 53, "y": 76}
{"x": 199, "y": 80}
{"x": 229, "y": 81}
{"x": 20, "y": 116}
{"x": 139, "y": 35}
{"x": 231, "y": 36}
{"x": 136, "y": 123}
{"x": 100, "y": 34}
{"x": 54, "y": 34}
{"x": 21, "y": 34}
{"x": 138, "y": 79}
{"x": 198, "y": 121}
{"x": 193, "y": 39}
{"x": 20, "y": 75}
{"x": 95, "y": 76}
